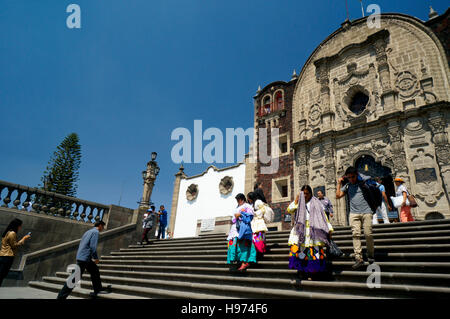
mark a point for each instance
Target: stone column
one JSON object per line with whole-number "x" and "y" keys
{"x": 397, "y": 146}
{"x": 388, "y": 95}
{"x": 327, "y": 115}
{"x": 302, "y": 164}
{"x": 438, "y": 125}
{"x": 149, "y": 177}
{"x": 398, "y": 155}
{"x": 330, "y": 179}
{"x": 176, "y": 191}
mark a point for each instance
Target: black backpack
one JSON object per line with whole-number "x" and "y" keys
{"x": 372, "y": 195}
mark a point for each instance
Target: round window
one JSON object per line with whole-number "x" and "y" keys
{"x": 358, "y": 103}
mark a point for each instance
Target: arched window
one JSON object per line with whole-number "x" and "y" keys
{"x": 358, "y": 103}
{"x": 266, "y": 105}
{"x": 279, "y": 105}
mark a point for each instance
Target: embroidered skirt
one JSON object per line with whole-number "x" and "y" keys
{"x": 241, "y": 251}
{"x": 308, "y": 260}
{"x": 259, "y": 240}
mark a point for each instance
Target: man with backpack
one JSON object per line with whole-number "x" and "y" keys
{"x": 364, "y": 199}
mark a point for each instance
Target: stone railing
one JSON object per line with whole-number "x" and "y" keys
{"x": 39, "y": 201}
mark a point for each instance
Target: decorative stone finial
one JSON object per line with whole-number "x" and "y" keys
{"x": 346, "y": 24}
{"x": 433, "y": 14}
{"x": 294, "y": 75}
{"x": 259, "y": 88}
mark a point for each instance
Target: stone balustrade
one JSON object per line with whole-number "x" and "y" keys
{"x": 39, "y": 201}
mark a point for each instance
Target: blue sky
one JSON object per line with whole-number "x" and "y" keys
{"x": 138, "y": 69}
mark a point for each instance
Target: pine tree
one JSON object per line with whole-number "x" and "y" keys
{"x": 61, "y": 174}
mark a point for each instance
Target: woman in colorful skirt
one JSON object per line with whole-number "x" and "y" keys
{"x": 309, "y": 237}
{"x": 258, "y": 224}
{"x": 240, "y": 239}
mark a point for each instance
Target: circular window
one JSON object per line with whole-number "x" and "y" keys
{"x": 226, "y": 185}
{"x": 192, "y": 192}
{"x": 358, "y": 103}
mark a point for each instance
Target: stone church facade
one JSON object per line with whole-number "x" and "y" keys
{"x": 374, "y": 98}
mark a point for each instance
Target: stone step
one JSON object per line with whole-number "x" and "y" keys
{"x": 377, "y": 229}
{"x": 133, "y": 292}
{"x": 433, "y": 267}
{"x": 263, "y": 278}
{"x": 414, "y": 259}
{"x": 339, "y": 242}
{"x": 148, "y": 286}
{"x": 285, "y": 250}
{"x": 393, "y": 227}
{"x": 77, "y": 292}
{"x": 406, "y": 234}
{"x": 417, "y": 277}
{"x": 257, "y": 284}
{"x": 379, "y": 256}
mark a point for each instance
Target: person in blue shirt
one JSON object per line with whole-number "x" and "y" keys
{"x": 384, "y": 203}
{"x": 162, "y": 222}
{"x": 87, "y": 259}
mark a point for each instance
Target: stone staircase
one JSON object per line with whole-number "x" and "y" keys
{"x": 414, "y": 259}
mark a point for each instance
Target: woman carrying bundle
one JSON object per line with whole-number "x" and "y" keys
{"x": 240, "y": 239}
{"x": 258, "y": 224}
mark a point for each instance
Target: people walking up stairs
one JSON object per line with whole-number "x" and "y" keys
{"x": 414, "y": 259}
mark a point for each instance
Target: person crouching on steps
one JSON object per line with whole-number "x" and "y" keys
{"x": 242, "y": 249}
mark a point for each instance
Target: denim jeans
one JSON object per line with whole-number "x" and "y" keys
{"x": 162, "y": 231}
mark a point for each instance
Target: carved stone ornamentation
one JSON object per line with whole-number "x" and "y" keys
{"x": 407, "y": 84}
{"x": 314, "y": 115}
{"x": 397, "y": 151}
{"x": 440, "y": 139}
{"x": 226, "y": 185}
{"x": 302, "y": 164}
{"x": 382, "y": 63}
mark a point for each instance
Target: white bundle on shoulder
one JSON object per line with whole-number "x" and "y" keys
{"x": 397, "y": 201}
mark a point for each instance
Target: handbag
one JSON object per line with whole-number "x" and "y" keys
{"x": 333, "y": 250}
{"x": 412, "y": 201}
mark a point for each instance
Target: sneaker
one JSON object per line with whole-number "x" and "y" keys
{"x": 358, "y": 264}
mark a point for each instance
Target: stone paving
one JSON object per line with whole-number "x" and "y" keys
{"x": 27, "y": 293}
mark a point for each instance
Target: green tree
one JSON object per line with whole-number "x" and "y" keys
{"x": 61, "y": 175}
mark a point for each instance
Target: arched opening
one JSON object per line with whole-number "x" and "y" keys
{"x": 367, "y": 166}
{"x": 358, "y": 103}
{"x": 266, "y": 105}
{"x": 434, "y": 215}
{"x": 279, "y": 105}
